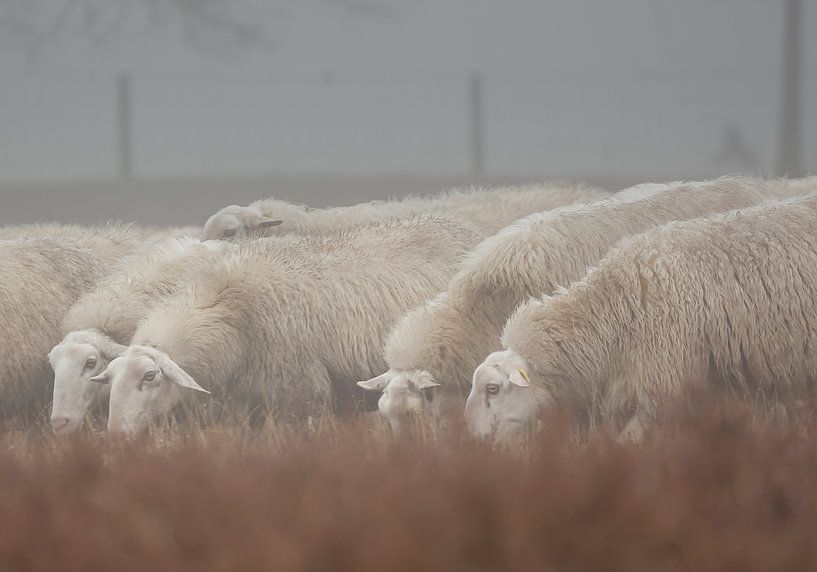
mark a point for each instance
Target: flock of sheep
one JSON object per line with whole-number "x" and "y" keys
{"x": 605, "y": 304}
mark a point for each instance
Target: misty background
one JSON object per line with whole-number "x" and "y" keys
{"x": 163, "y": 111}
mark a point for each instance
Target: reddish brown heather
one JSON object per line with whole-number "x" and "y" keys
{"x": 718, "y": 492}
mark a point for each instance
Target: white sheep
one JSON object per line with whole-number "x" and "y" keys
{"x": 786, "y": 187}
{"x": 40, "y": 229}
{"x": 161, "y": 234}
{"x": 728, "y": 300}
{"x": 285, "y": 324}
{"x": 42, "y": 275}
{"x": 485, "y": 210}
{"x": 442, "y": 342}
{"x": 99, "y": 326}
{"x": 147, "y": 233}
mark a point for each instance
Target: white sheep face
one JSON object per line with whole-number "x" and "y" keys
{"x": 502, "y": 402}
{"x": 75, "y": 360}
{"x": 234, "y": 222}
{"x": 404, "y": 394}
{"x": 145, "y": 383}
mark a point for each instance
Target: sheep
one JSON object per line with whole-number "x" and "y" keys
{"x": 160, "y": 234}
{"x": 42, "y": 276}
{"x": 786, "y": 187}
{"x": 284, "y": 324}
{"x": 39, "y": 230}
{"x": 148, "y": 234}
{"x": 485, "y": 210}
{"x": 100, "y": 324}
{"x": 442, "y": 342}
{"x": 728, "y": 300}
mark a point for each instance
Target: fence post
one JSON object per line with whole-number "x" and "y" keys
{"x": 477, "y": 148}
{"x": 790, "y": 136}
{"x": 124, "y": 125}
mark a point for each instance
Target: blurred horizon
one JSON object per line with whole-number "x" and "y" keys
{"x": 395, "y": 96}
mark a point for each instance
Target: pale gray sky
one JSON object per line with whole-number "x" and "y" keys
{"x": 652, "y": 88}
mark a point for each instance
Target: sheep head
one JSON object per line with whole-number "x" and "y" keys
{"x": 75, "y": 360}
{"x": 502, "y": 401}
{"x": 235, "y": 222}
{"x": 145, "y": 382}
{"x": 403, "y": 394}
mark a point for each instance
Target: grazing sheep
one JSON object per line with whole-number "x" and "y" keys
{"x": 644, "y": 190}
{"x": 444, "y": 341}
{"x": 485, "y": 210}
{"x": 160, "y": 234}
{"x": 99, "y": 326}
{"x": 39, "y": 230}
{"x": 41, "y": 277}
{"x": 794, "y": 187}
{"x": 728, "y": 300}
{"x": 148, "y": 234}
{"x": 284, "y": 324}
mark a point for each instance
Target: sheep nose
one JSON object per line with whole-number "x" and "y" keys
{"x": 59, "y": 423}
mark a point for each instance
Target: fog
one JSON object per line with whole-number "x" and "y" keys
{"x": 330, "y": 102}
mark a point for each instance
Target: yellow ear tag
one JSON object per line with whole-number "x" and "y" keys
{"x": 524, "y": 374}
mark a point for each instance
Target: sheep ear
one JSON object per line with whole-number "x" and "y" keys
{"x": 426, "y": 383}
{"x": 104, "y": 378}
{"x": 520, "y": 377}
{"x": 378, "y": 383}
{"x": 177, "y": 375}
{"x": 268, "y": 222}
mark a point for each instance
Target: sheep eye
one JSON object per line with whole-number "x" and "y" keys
{"x": 492, "y": 389}
{"x": 149, "y": 375}
{"x": 229, "y": 232}
{"x": 90, "y": 363}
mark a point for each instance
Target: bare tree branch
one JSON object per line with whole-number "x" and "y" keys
{"x": 216, "y": 26}
{"x": 213, "y": 27}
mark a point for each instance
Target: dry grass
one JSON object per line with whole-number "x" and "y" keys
{"x": 714, "y": 491}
